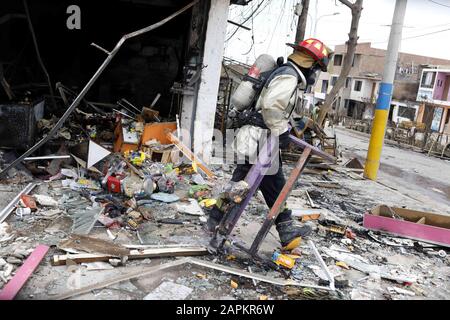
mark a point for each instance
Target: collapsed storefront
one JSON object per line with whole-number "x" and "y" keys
{"x": 51, "y": 49}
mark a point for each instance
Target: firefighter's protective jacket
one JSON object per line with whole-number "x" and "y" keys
{"x": 275, "y": 103}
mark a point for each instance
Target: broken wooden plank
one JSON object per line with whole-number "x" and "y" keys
{"x": 189, "y": 154}
{"x": 77, "y": 242}
{"x": 218, "y": 267}
{"x": 328, "y": 185}
{"x": 13, "y": 287}
{"x": 59, "y": 260}
{"x": 120, "y": 278}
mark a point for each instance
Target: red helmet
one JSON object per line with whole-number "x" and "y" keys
{"x": 315, "y": 49}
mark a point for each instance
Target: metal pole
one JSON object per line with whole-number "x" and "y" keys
{"x": 385, "y": 93}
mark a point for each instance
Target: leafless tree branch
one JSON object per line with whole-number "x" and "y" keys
{"x": 348, "y": 60}
{"x": 347, "y": 3}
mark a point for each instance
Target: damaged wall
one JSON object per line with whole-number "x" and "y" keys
{"x": 199, "y": 110}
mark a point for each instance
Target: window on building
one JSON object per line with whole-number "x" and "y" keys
{"x": 338, "y": 60}
{"x": 346, "y": 103}
{"x": 358, "y": 85}
{"x": 333, "y": 81}
{"x": 406, "y": 112}
{"x": 324, "y": 86}
{"x": 428, "y": 79}
{"x": 348, "y": 82}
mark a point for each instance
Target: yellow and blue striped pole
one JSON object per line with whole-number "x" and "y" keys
{"x": 385, "y": 93}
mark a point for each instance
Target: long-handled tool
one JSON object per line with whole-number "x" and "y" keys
{"x": 221, "y": 238}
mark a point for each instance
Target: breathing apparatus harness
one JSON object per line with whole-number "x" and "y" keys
{"x": 251, "y": 116}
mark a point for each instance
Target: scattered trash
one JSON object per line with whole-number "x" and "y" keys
{"x": 234, "y": 284}
{"x": 191, "y": 208}
{"x": 283, "y": 260}
{"x": 342, "y": 265}
{"x": 45, "y": 200}
{"x": 28, "y": 202}
{"x": 165, "y": 197}
{"x": 92, "y": 203}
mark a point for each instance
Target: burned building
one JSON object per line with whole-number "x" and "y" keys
{"x": 51, "y": 49}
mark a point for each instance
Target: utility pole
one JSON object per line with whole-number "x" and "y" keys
{"x": 385, "y": 93}
{"x": 302, "y": 18}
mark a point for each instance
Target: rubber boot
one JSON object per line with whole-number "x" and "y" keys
{"x": 215, "y": 216}
{"x": 289, "y": 232}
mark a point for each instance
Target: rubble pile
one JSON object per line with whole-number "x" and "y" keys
{"x": 125, "y": 197}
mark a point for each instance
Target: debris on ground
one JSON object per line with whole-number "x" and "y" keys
{"x": 132, "y": 200}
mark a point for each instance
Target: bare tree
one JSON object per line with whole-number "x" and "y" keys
{"x": 301, "y": 25}
{"x": 356, "y": 9}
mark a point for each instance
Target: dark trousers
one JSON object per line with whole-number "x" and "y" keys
{"x": 271, "y": 186}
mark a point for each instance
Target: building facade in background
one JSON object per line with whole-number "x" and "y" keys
{"x": 434, "y": 96}
{"x": 358, "y": 96}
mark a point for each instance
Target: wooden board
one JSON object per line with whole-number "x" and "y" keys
{"x": 435, "y": 229}
{"x": 189, "y": 154}
{"x": 59, "y": 260}
{"x": 88, "y": 244}
{"x": 13, "y": 287}
{"x": 158, "y": 131}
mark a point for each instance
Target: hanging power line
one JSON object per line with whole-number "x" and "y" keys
{"x": 277, "y": 23}
{"x": 440, "y": 4}
{"x": 248, "y": 18}
{"x": 426, "y": 34}
{"x": 374, "y": 41}
{"x": 253, "y": 38}
{"x": 417, "y": 36}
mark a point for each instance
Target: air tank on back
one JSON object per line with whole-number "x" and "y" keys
{"x": 245, "y": 93}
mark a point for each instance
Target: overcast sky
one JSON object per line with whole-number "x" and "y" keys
{"x": 275, "y": 24}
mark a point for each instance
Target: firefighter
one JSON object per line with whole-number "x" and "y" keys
{"x": 271, "y": 112}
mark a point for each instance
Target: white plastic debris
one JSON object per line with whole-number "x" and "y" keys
{"x": 45, "y": 200}
{"x": 165, "y": 197}
{"x": 23, "y": 212}
{"x": 4, "y": 234}
{"x": 71, "y": 173}
{"x": 192, "y": 208}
